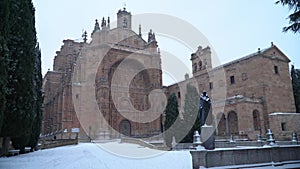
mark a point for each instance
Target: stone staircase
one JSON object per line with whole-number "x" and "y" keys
{"x": 159, "y": 145}
{"x": 99, "y": 136}
{"x": 153, "y": 144}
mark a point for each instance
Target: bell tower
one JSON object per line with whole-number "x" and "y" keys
{"x": 124, "y": 19}
{"x": 201, "y": 60}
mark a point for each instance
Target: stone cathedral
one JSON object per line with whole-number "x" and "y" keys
{"x": 111, "y": 85}
{"x": 123, "y": 69}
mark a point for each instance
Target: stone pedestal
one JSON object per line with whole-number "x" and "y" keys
{"x": 207, "y": 137}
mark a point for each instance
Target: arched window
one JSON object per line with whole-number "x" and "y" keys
{"x": 233, "y": 123}
{"x": 124, "y": 23}
{"x": 256, "y": 120}
{"x": 195, "y": 67}
{"x": 200, "y": 65}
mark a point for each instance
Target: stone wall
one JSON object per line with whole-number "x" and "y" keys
{"x": 284, "y": 124}
{"x": 57, "y": 143}
{"x": 59, "y": 113}
{"x": 265, "y": 156}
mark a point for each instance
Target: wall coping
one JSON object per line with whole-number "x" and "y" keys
{"x": 284, "y": 114}
{"x": 229, "y": 157}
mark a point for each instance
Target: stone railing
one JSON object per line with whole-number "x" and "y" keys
{"x": 228, "y": 144}
{"x": 44, "y": 144}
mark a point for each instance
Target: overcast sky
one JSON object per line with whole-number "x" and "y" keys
{"x": 234, "y": 28}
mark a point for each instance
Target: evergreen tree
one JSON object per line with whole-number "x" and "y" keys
{"x": 38, "y": 101}
{"x": 171, "y": 113}
{"x": 190, "y": 114}
{"x": 21, "y": 43}
{"x": 3, "y": 56}
{"x": 295, "y": 74}
{"x": 294, "y": 17}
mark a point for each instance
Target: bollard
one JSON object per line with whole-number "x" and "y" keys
{"x": 270, "y": 138}
{"x": 196, "y": 139}
{"x": 231, "y": 139}
{"x": 294, "y": 138}
{"x": 173, "y": 142}
{"x": 259, "y": 138}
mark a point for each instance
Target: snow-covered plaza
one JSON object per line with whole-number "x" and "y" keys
{"x": 112, "y": 155}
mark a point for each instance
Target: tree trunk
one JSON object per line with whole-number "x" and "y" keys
{"x": 5, "y": 145}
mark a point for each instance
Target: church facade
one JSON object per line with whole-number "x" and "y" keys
{"x": 104, "y": 88}
{"x": 246, "y": 92}
{"x": 124, "y": 69}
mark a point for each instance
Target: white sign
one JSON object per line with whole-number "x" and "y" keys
{"x": 75, "y": 130}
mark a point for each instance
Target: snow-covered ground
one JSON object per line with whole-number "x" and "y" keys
{"x": 111, "y": 155}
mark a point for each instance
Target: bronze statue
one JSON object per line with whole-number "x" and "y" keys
{"x": 205, "y": 112}
{"x": 204, "y": 109}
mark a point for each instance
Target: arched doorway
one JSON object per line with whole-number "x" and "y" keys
{"x": 125, "y": 128}
{"x": 233, "y": 123}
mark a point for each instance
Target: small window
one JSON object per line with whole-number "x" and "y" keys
{"x": 232, "y": 81}
{"x": 244, "y": 76}
{"x": 178, "y": 94}
{"x": 200, "y": 65}
{"x": 211, "y": 85}
{"x": 276, "y": 70}
{"x": 283, "y": 126}
{"x": 124, "y": 23}
{"x": 195, "y": 67}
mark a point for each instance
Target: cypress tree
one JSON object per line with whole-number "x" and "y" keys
{"x": 4, "y": 12}
{"x": 298, "y": 90}
{"x": 190, "y": 114}
{"x": 295, "y": 74}
{"x": 171, "y": 115}
{"x": 38, "y": 101}
{"x": 21, "y": 43}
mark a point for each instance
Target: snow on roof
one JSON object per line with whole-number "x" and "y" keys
{"x": 284, "y": 113}
{"x": 243, "y": 58}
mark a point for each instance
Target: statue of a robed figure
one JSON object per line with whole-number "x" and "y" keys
{"x": 206, "y": 129}
{"x": 205, "y": 109}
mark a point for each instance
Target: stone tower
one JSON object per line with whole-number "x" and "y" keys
{"x": 201, "y": 60}
{"x": 123, "y": 19}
